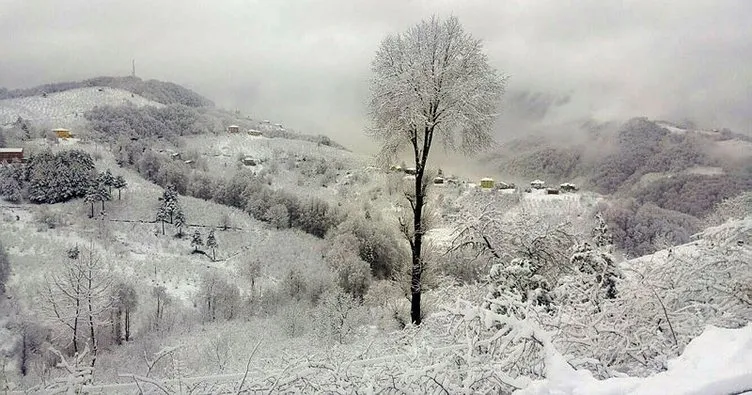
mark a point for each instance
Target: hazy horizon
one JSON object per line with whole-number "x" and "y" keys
{"x": 307, "y": 64}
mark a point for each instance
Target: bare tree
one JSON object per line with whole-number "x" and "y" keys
{"x": 432, "y": 81}
{"x": 125, "y": 302}
{"x": 80, "y": 294}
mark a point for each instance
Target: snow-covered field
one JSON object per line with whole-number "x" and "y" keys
{"x": 60, "y": 109}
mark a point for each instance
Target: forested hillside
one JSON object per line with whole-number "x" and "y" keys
{"x": 663, "y": 179}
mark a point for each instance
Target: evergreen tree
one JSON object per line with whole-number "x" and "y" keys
{"x": 196, "y": 240}
{"x": 179, "y": 221}
{"x": 108, "y": 180}
{"x": 162, "y": 217}
{"x": 211, "y": 242}
{"x": 102, "y": 193}
{"x": 170, "y": 209}
{"x": 91, "y": 197}
{"x": 600, "y": 233}
{"x": 119, "y": 183}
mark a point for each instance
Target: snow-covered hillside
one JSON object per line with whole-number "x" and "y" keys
{"x": 62, "y": 108}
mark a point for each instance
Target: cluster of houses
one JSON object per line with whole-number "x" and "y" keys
{"x": 255, "y": 132}
{"x": 490, "y": 184}
{"x": 236, "y": 129}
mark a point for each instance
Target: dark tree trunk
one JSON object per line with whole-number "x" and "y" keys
{"x": 92, "y": 210}
{"x": 158, "y": 314}
{"x": 91, "y": 321}
{"x": 75, "y": 319}
{"x": 118, "y": 193}
{"x": 24, "y": 354}
{"x": 127, "y": 325}
{"x": 163, "y": 232}
{"x": 417, "y": 245}
{"x": 116, "y": 327}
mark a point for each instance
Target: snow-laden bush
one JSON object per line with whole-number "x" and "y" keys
{"x": 337, "y": 316}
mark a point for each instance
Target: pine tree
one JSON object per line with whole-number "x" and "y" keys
{"x": 108, "y": 180}
{"x": 600, "y": 233}
{"x": 119, "y": 183}
{"x": 196, "y": 240}
{"x": 211, "y": 242}
{"x": 102, "y": 193}
{"x": 179, "y": 221}
{"x": 91, "y": 197}
{"x": 162, "y": 217}
{"x": 170, "y": 209}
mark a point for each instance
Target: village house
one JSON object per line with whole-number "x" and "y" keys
{"x": 487, "y": 183}
{"x": 11, "y": 154}
{"x": 538, "y": 184}
{"x": 62, "y": 133}
{"x": 233, "y": 128}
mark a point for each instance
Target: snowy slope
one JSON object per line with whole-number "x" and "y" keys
{"x": 61, "y": 108}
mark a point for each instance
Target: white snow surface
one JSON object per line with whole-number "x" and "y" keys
{"x": 67, "y": 106}
{"x": 717, "y": 362}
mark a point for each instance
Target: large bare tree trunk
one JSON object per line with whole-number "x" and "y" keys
{"x": 417, "y": 246}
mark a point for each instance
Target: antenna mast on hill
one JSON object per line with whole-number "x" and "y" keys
{"x": 133, "y": 69}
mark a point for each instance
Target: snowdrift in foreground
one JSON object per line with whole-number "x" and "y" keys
{"x": 717, "y": 362}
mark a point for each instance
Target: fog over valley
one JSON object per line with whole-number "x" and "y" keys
{"x": 307, "y": 64}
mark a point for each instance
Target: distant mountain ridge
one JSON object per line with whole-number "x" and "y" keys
{"x": 159, "y": 91}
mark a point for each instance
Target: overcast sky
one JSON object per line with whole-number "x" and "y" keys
{"x": 306, "y": 63}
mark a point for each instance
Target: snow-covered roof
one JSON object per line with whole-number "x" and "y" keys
{"x": 486, "y": 179}
{"x": 537, "y": 182}
{"x": 233, "y": 126}
{"x": 60, "y": 130}
{"x": 11, "y": 150}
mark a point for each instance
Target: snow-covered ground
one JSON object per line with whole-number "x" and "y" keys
{"x": 719, "y": 361}
{"x": 60, "y": 109}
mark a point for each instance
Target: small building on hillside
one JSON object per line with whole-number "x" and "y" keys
{"x": 487, "y": 183}
{"x": 552, "y": 191}
{"x": 538, "y": 184}
{"x": 62, "y": 133}
{"x": 438, "y": 180}
{"x": 248, "y": 161}
{"x": 233, "y": 128}
{"x": 568, "y": 187}
{"x": 254, "y": 132}
{"x": 411, "y": 171}
{"x": 11, "y": 154}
